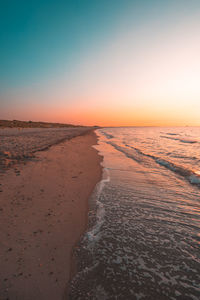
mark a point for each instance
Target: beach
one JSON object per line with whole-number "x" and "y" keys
{"x": 43, "y": 207}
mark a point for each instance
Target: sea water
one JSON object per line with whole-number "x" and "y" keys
{"x": 143, "y": 240}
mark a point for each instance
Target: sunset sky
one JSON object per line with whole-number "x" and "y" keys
{"x": 101, "y": 62}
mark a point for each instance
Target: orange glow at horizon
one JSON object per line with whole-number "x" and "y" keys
{"x": 100, "y": 114}
{"x": 106, "y": 116}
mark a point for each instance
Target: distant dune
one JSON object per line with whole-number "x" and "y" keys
{"x": 32, "y": 124}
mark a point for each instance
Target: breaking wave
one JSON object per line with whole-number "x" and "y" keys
{"x": 188, "y": 174}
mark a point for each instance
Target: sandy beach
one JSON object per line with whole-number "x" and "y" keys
{"x": 43, "y": 208}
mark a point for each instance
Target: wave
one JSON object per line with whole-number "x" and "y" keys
{"x": 170, "y": 133}
{"x": 180, "y": 140}
{"x": 182, "y": 156}
{"x": 190, "y": 175}
{"x": 109, "y": 136}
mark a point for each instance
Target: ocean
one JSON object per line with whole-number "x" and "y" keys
{"x": 143, "y": 240}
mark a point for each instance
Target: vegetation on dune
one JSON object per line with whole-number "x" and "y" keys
{"x": 32, "y": 124}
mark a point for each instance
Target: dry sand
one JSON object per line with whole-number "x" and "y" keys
{"x": 43, "y": 213}
{"x": 20, "y": 144}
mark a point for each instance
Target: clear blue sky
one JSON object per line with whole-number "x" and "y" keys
{"x": 42, "y": 36}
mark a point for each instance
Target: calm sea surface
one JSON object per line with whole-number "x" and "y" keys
{"x": 143, "y": 240}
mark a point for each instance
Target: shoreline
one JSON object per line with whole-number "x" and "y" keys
{"x": 37, "y": 244}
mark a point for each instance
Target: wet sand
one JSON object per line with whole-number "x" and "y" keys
{"x": 43, "y": 213}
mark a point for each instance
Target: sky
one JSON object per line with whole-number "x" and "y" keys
{"x": 101, "y": 62}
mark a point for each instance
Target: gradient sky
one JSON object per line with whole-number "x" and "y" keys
{"x": 101, "y": 62}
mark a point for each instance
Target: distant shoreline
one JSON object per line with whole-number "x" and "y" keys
{"x": 33, "y": 124}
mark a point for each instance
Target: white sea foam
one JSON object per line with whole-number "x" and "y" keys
{"x": 93, "y": 234}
